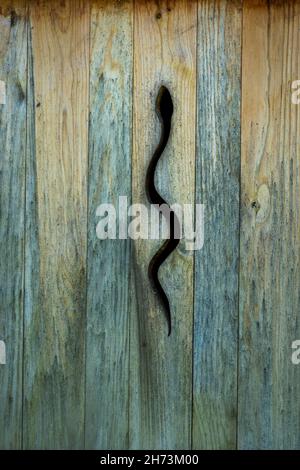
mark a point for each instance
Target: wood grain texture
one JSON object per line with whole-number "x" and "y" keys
{"x": 13, "y": 63}
{"x": 56, "y": 228}
{"x": 217, "y": 187}
{"x": 110, "y": 145}
{"x": 269, "y": 384}
{"x": 88, "y": 360}
{"x": 161, "y": 366}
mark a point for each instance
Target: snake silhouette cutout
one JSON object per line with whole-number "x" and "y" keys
{"x": 164, "y": 111}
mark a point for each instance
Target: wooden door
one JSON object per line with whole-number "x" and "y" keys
{"x": 88, "y": 360}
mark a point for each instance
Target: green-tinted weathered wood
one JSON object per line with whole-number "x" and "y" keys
{"x": 161, "y": 366}
{"x": 269, "y": 384}
{"x": 13, "y": 63}
{"x": 110, "y": 146}
{"x": 217, "y": 187}
{"x": 55, "y": 298}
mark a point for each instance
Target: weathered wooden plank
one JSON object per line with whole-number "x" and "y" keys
{"x": 110, "y": 144}
{"x": 269, "y": 384}
{"x": 56, "y": 228}
{"x": 13, "y": 63}
{"x": 217, "y": 187}
{"x": 161, "y": 366}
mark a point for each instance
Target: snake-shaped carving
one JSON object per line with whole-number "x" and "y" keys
{"x": 164, "y": 110}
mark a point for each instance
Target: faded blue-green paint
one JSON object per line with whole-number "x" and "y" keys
{"x": 13, "y": 63}
{"x": 217, "y": 187}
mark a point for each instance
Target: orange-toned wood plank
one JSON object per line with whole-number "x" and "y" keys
{"x": 161, "y": 366}
{"x": 55, "y": 308}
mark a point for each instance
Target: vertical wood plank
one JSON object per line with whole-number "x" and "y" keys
{"x": 56, "y": 229}
{"x": 161, "y": 366}
{"x": 269, "y": 384}
{"x": 13, "y": 63}
{"x": 217, "y": 187}
{"x": 110, "y": 144}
